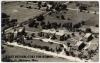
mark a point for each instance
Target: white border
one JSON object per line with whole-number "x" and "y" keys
{"x": 51, "y": 0}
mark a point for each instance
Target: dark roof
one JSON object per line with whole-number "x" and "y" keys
{"x": 81, "y": 46}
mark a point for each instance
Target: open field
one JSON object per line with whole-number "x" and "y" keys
{"x": 20, "y": 13}
{"x": 75, "y": 16}
{"x": 37, "y": 42}
{"x": 24, "y": 52}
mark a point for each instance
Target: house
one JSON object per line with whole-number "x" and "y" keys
{"x": 88, "y": 37}
{"x": 93, "y": 29}
{"x": 49, "y": 6}
{"x": 20, "y": 30}
{"x": 79, "y": 43}
{"x": 52, "y": 31}
{"x": 81, "y": 46}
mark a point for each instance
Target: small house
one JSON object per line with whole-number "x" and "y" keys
{"x": 81, "y": 46}
{"x": 88, "y": 37}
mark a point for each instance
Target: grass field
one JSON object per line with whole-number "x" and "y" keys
{"x": 37, "y": 42}
{"x": 21, "y": 13}
{"x": 21, "y": 52}
{"x": 75, "y": 16}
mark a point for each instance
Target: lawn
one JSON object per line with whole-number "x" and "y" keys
{"x": 21, "y": 13}
{"x": 37, "y": 42}
{"x": 20, "y": 51}
{"x": 75, "y": 17}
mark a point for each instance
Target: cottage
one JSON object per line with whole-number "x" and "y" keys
{"x": 49, "y": 6}
{"x": 81, "y": 46}
{"x": 79, "y": 43}
{"x": 88, "y": 37}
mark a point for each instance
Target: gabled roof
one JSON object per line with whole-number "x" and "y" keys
{"x": 87, "y": 35}
{"x": 79, "y": 43}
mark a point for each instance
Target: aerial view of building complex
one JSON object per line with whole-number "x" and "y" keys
{"x": 49, "y": 31}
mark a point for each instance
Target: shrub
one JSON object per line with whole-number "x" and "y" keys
{"x": 97, "y": 25}
{"x": 40, "y": 18}
{"x": 61, "y": 45}
{"x": 62, "y": 17}
{"x": 57, "y": 17}
{"x": 51, "y": 42}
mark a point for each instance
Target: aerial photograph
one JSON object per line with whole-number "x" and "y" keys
{"x": 49, "y": 31}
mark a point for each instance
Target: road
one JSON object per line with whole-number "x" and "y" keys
{"x": 85, "y": 11}
{"x": 78, "y": 9}
{"x": 50, "y": 53}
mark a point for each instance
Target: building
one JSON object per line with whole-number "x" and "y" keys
{"x": 81, "y": 46}
{"x": 52, "y": 31}
{"x": 88, "y": 37}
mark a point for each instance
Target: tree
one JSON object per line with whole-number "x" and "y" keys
{"x": 67, "y": 53}
{"x": 40, "y": 18}
{"x": 72, "y": 53}
{"x": 88, "y": 30}
{"x": 13, "y": 20}
{"x": 79, "y": 33}
{"x": 54, "y": 37}
{"x": 80, "y": 56}
{"x": 47, "y": 36}
{"x": 3, "y": 51}
{"x": 61, "y": 45}
{"x": 90, "y": 53}
{"x": 51, "y": 2}
{"x": 39, "y": 4}
{"x": 68, "y": 44}
{"x": 64, "y": 7}
{"x": 4, "y": 15}
{"x": 73, "y": 34}
{"x": 29, "y": 44}
{"x": 82, "y": 7}
{"x": 42, "y": 23}
{"x": 36, "y": 25}
{"x": 31, "y": 22}
{"x": 11, "y": 37}
{"x": 45, "y": 4}
{"x": 57, "y": 17}
{"x": 62, "y": 17}
{"x": 59, "y": 25}
{"x": 77, "y": 4}
{"x": 23, "y": 31}
{"x": 83, "y": 22}
{"x": 33, "y": 35}
{"x": 97, "y": 25}
{"x": 68, "y": 18}
{"x": 57, "y": 8}
{"x": 68, "y": 36}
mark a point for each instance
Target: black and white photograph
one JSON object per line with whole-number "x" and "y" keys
{"x": 50, "y": 31}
